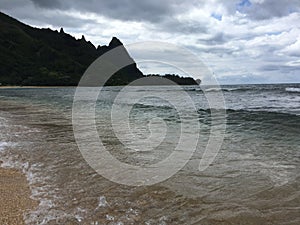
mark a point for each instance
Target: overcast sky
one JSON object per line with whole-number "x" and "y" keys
{"x": 241, "y": 41}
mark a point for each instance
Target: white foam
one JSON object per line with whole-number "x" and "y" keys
{"x": 110, "y": 218}
{"x": 4, "y": 144}
{"x": 291, "y": 89}
{"x": 212, "y": 89}
{"x": 8, "y": 162}
{"x": 95, "y": 223}
{"x": 78, "y": 218}
{"x": 162, "y": 220}
{"x": 102, "y": 202}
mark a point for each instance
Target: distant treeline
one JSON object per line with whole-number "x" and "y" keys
{"x": 176, "y": 79}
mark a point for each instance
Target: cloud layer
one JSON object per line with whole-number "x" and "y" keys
{"x": 242, "y": 41}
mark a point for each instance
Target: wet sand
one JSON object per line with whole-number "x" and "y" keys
{"x": 14, "y": 197}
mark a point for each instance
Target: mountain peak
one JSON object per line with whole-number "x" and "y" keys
{"x": 115, "y": 42}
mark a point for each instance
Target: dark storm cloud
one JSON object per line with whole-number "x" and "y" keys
{"x": 160, "y": 13}
{"x": 44, "y": 13}
{"x": 52, "y": 17}
{"x": 47, "y": 3}
{"x": 135, "y": 10}
{"x": 8, "y": 4}
{"x": 62, "y": 20}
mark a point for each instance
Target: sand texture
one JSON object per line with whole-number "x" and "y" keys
{"x": 14, "y": 197}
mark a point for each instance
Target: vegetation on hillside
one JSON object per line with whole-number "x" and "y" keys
{"x": 33, "y": 56}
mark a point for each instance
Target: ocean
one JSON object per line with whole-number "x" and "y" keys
{"x": 253, "y": 179}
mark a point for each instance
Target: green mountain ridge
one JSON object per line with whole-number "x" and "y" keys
{"x": 43, "y": 57}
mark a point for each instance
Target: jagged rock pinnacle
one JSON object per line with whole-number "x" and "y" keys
{"x": 115, "y": 42}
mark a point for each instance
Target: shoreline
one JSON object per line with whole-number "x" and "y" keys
{"x": 15, "y": 197}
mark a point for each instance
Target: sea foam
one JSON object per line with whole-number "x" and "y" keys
{"x": 292, "y": 89}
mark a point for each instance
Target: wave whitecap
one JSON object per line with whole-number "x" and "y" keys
{"x": 293, "y": 89}
{"x": 226, "y": 89}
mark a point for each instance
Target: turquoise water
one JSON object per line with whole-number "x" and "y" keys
{"x": 253, "y": 180}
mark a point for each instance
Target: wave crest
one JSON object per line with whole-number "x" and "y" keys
{"x": 293, "y": 89}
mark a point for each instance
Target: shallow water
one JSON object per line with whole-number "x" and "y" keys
{"x": 253, "y": 180}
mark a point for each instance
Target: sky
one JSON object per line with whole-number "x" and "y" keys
{"x": 240, "y": 41}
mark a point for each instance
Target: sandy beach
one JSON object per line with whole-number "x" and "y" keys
{"x": 15, "y": 197}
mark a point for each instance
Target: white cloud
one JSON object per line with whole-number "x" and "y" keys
{"x": 293, "y": 49}
{"x": 238, "y": 40}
